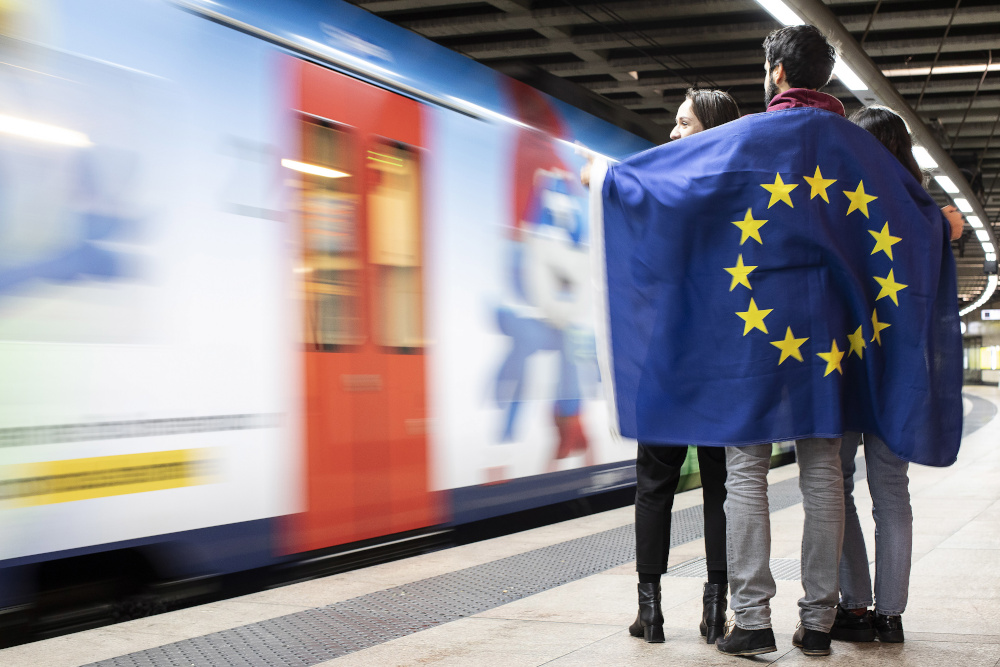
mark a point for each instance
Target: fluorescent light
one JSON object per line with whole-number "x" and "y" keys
{"x": 847, "y": 76}
{"x": 991, "y": 286}
{"x": 313, "y": 169}
{"x": 963, "y": 205}
{"x": 29, "y": 129}
{"x": 991, "y": 257}
{"x": 974, "y": 220}
{"x": 634, "y": 74}
{"x": 924, "y": 158}
{"x": 947, "y": 184}
{"x": 946, "y": 69}
{"x": 988, "y": 247}
{"x": 982, "y": 235}
{"x": 781, "y": 11}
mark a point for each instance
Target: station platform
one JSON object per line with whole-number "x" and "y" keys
{"x": 564, "y": 594}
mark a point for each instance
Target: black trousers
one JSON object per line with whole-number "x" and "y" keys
{"x": 658, "y": 469}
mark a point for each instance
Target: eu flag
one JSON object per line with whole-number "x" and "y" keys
{"x": 776, "y": 278}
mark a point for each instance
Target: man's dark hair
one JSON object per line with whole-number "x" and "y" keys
{"x": 803, "y": 50}
{"x": 712, "y": 107}
{"x": 890, "y": 129}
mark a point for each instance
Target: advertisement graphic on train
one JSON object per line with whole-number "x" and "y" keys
{"x": 516, "y": 378}
{"x": 145, "y": 330}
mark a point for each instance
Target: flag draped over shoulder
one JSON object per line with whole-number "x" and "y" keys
{"x": 776, "y": 278}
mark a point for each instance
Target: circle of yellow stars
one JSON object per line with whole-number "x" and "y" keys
{"x": 753, "y": 317}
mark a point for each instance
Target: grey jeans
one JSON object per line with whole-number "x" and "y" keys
{"x": 748, "y": 532}
{"x": 889, "y": 487}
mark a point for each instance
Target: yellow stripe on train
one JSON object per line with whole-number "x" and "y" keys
{"x": 51, "y": 482}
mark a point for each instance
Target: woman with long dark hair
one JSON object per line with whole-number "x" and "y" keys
{"x": 887, "y": 476}
{"x": 658, "y": 467}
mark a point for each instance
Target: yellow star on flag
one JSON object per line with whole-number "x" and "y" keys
{"x": 754, "y": 318}
{"x": 740, "y": 273}
{"x": 884, "y": 240}
{"x": 859, "y": 200}
{"x": 857, "y": 341}
{"x": 878, "y": 326}
{"x": 889, "y": 287}
{"x": 789, "y": 346}
{"x": 832, "y": 359}
{"x": 819, "y": 185}
{"x": 779, "y": 191}
{"x": 750, "y": 227}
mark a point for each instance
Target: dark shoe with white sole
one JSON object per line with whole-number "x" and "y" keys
{"x": 812, "y": 642}
{"x": 746, "y": 642}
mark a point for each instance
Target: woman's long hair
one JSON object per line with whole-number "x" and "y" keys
{"x": 890, "y": 129}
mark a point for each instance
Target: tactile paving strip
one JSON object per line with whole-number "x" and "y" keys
{"x": 782, "y": 569}
{"x": 309, "y": 637}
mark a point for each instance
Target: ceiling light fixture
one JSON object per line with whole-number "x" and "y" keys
{"x": 944, "y": 69}
{"x": 781, "y": 11}
{"x": 947, "y": 184}
{"x": 847, "y": 76}
{"x": 923, "y": 158}
{"x": 991, "y": 286}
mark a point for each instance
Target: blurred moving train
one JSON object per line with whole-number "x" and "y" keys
{"x": 278, "y": 281}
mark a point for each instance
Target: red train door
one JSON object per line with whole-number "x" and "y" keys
{"x": 359, "y": 178}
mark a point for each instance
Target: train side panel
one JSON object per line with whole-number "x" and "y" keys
{"x": 200, "y": 343}
{"x": 151, "y": 382}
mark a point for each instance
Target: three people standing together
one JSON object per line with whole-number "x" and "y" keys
{"x": 735, "y": 457}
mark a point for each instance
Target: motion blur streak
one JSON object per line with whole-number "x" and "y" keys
{"x": 41, "y": 132}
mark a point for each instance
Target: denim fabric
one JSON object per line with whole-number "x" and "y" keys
{"x": 748, "y": 530}
{"x": 889, "y": 487}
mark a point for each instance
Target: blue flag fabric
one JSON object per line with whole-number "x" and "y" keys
{"x": 776, "y": 278}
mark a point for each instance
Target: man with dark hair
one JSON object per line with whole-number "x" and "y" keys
{"x": 801, "y": 56}
{"x": 799, "y": 61}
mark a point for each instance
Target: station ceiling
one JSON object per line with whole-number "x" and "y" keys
{"x": 943, "y": 57}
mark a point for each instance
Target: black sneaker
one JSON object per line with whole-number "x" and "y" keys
{"x": 850, "y": 627}
{"x": 888, "y": 628}
{"x": 746, "y": 642}
{"x": 812, "y": 642}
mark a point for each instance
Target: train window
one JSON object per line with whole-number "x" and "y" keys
{"x": 394, "y": 244}
{"x": 332, "y": 248}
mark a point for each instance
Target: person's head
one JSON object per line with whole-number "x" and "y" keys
{"x": 703, "y": 110}
{"x": 890, "y": 129}
{"x": 796, "y": 56}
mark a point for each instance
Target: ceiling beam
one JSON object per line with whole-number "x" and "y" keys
{"x": 639, "y": 12}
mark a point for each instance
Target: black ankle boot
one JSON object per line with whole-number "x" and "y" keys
{"x": 713, "y": 617}
{"x": 649, "y": 622}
